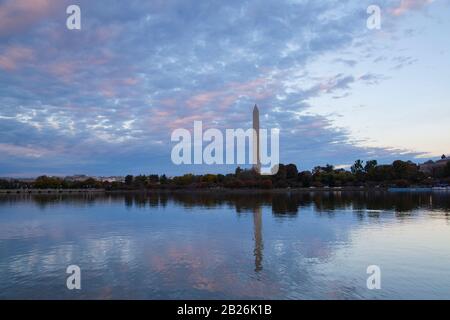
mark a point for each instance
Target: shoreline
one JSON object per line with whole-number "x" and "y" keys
{"x": 220, "y": 190}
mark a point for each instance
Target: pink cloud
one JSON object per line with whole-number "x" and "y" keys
{"x": 17, "y": 15}
{"x": 107, "y": 33}
{"x": 65, "y": 70}
{"x": 130, "y": 81}
{"x": 202, "y": 99}
{"x": 170, "y": 102}
{"x": 13, "y": 56}
{"x": 108, "y": 91}
{"x": 407, "y": 5}
{"x": 114, "y": 87}
{"x": 256, "y": 89}
{"x": 187, "y": 122}
{"x": 161, "y": 114}
{"x": 62, "y": 70}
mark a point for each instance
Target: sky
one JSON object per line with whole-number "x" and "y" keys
{"x": 105, "y": 99}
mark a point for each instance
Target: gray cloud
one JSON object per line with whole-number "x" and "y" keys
{"x": 105, "y": 99}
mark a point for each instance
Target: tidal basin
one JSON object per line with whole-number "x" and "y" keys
{"x": 226, "y": 245}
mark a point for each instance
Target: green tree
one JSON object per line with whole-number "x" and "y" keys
{"x": 163, "y": 179}
{"x": 357, "y": 167}
{"x": 140, "y": 181}
{"x": 90, "y": 183}
{"x": 220, "y": 178}
{"x": 447, "y": 169}
{"x": 184, "y": 180}
{"x": 44, "y": 182}
{"x": 305, "y": 178}
{"x": 317, "y": 170}
{"x": 405, "y": 170}
{"x": 209, "y": 178}
{"x": 382, "y": 173}
{"x": 291, "y": 171}
{"x": 370, "y": 165}
{"x": 129, "y": 180}
{"x": 281, "y": 174}
{"x": 5, "y": 184}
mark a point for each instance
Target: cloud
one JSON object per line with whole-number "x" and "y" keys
{"x": 403, "y": 61}
{"x": 20, "y": 15}
{"x": 19, "y": 151}
{"x": 408, "y": 5}
{"x": 105, "y": 99}
{"x": 348, "y": 62}
{"x": 12, "y": 57}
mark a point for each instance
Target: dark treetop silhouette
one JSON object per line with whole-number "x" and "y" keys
{"x": 368, "y": 174}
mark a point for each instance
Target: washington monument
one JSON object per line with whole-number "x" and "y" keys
{"x": 256, "y": 151}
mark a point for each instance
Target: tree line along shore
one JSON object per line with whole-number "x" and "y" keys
{"x": 361, "y": 175}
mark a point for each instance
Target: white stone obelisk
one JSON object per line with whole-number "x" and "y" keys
{"x": 256, "y": 146}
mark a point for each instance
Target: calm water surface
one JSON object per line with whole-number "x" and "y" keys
{"x": 243, "y": 246}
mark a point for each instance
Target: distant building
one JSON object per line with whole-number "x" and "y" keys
{"x": 111, "y": 179}
{"x": 77, "y": 178}
{"x": 432, "y": 167}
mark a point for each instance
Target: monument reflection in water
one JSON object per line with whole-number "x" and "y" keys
{"x": 226, "y": 245}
